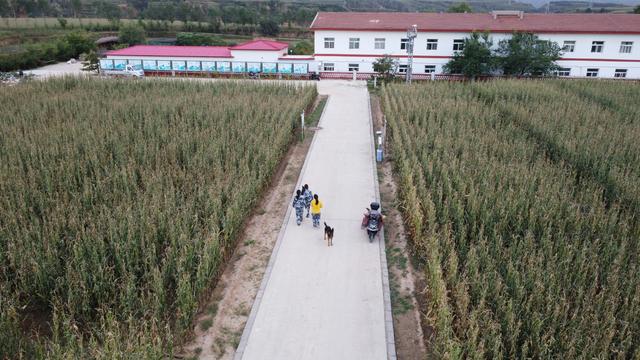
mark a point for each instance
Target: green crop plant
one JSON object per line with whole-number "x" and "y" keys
{"x": 120, "y": 200}
{"x": 521, "y": 201}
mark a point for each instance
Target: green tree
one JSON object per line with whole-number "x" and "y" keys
{"x": 108, "y": 10}
{"x": 79, "y": 43}
{"x": 636, "y": 10}
{"x": 91, "y": 62}
{"x": 524, "y": 54}
{"x": 475, "y": 59}
{"x": 131, "y": 34}
{"x": 269, "y": 27}
{"x": 303, "y": 47}
{"x": 62, "y": 22}
{"x": 462, "y": 7}
{"x": 196, "y": 39}
{"x": 77, "y": 6}
{"x": 385, "y": 67}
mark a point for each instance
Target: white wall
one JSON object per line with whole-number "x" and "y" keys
{"x": 257, "y": 56}
{"x": 579, "y": 60}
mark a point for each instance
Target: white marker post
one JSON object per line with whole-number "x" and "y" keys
{"x": 302, "y": 124}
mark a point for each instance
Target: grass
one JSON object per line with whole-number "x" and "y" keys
{"x": 521, "y": 203}
{"x": 206, "y": 324}
{"x": 53, "y": 23}
{"x": 213, "y": 308}
{"x": 312, "y": 119}
{"x": 242, "y": 310}
{"x": 120, "y": 201}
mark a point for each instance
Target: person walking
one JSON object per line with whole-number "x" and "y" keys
{"x": 316, "y": 205}
{"x": 308, "y": 196}
{"x": 298, "y": 205}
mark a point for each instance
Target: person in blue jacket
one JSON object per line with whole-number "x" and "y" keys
{"x": 298, "y": 205}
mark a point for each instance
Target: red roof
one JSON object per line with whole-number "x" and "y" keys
{"x": 261, "y": 45}
{"x": 181, "y": 51}
{"x": 453, "y": 22}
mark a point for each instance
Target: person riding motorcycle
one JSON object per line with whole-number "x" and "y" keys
{"x": 373, "y": 220}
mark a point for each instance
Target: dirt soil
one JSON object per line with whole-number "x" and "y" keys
{"x": 406, "y": 284}
{"x": 219, "y": 325}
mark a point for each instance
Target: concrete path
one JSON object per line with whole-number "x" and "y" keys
{"x": 58, "y": 69}
{"x": 319, "y": 302}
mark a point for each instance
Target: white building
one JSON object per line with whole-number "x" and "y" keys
{"x": 259, "y": 56}
{"x": 595, "y": 45}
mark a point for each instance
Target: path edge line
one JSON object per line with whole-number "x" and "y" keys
{"x": 386, "y": 293}
{"x": 242, "y": 345}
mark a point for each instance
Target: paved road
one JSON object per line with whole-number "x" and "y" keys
{"x": 58, "y": 69}
{"x": 319, "y": 302}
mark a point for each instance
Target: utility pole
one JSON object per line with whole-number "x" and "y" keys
{"x": 412, "y": 33}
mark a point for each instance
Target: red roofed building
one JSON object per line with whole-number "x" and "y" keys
{"x": 173, "y": 51}
{"x": 595, "y": 45}
{"x": 259, "y": 56}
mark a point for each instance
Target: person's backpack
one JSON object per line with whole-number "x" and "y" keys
{"x": 374, "y": 220}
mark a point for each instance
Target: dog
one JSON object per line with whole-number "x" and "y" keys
{"x": 328, "y": 234}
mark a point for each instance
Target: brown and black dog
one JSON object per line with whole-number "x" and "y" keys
{"x": 328, "y": 234}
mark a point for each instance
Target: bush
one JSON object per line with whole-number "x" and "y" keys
{"x": 269, "y": 27}
{"x": 199, "y": 39}
{"x": 34, "y": 55}
{"x": 132, "y": 34}
{"x": 303, "y": 47}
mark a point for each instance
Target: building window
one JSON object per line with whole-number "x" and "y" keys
{"x": 354, "y": 67}
{"x": 404, "y": 43}
{"x": 402, "y": 69}
{"x": 329, "y": 67}
{"x": 625, "y": 47}
{"x": 562, "y": 72}
{"x": 428, "y": 69}
{"x": 432, "y": 44}
{"x": 354, "y": 43}
{"x": 329, "y": 43}
{"x": 379, "y": 43}
{"x": 569, "y": 46}
{"x": 592, "y": 72}
{"x": 597, "y": 46}
{"x": 458, "y": 45}
{"x": 620, "y": 73}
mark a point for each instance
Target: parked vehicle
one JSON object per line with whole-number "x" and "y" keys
{"x": 128, "y": 71}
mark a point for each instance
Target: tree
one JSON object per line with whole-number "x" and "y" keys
{"x": 526, "y": 55}
{"x": 79, "y": 43}
{"x": 62, "y": 22}
{"x": 269, "y": 27}
{"x": 77, "y": 6}
{"x": 91, "y": 62}
{"x": 131, "y": 34}
{"x": 385, "y": 67}
{"x": 475, "y": 59}
{"x": 196, "y": 39}
{"x": 303, "y": 47}
{"x": 462, "y": 7}
{"x": 637, "y": 10}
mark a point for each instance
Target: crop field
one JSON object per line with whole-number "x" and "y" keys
{"x": 522, "y": 200}
{"x": 53, "y": 23}
{"x": 119, "y": 201}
